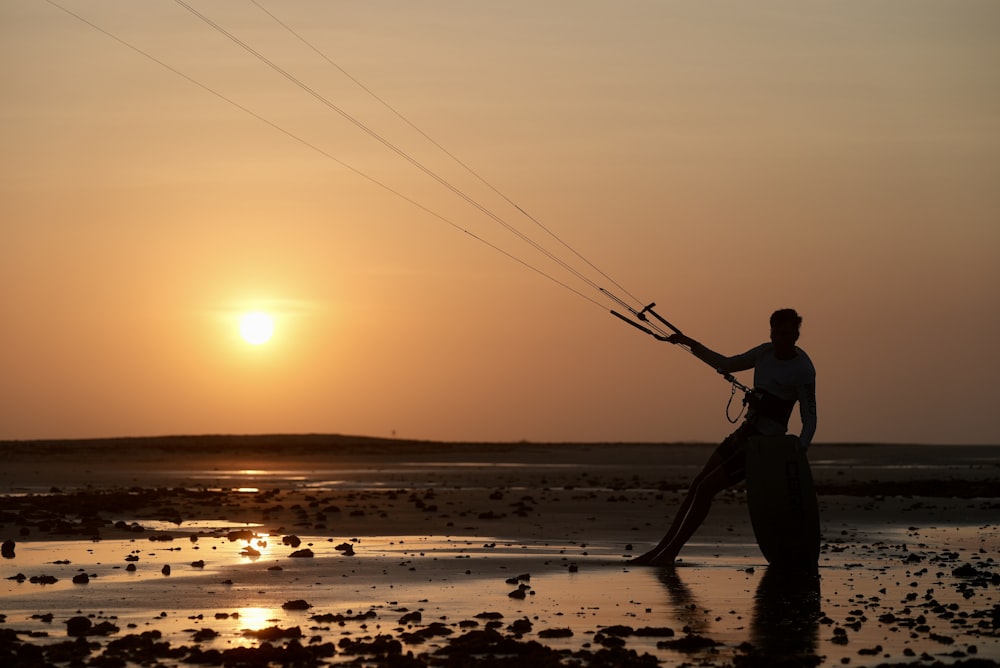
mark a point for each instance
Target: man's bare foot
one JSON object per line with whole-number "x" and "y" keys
{"x": 641, "y": 560}
{"x": 663, "y": 560}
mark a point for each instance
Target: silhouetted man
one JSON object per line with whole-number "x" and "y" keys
{"x": 783, "y": 376}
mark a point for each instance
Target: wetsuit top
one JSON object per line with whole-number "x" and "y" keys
{"x": 783, "y": 383}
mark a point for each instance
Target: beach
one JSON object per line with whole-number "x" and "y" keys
{"x": 327, "y": 550}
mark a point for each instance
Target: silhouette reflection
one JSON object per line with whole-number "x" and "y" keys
{"x": 686, "y": 608}
{"x": 784, "y": 626}
{"x": 786, "y": 614}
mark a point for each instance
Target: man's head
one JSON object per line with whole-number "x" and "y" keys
{"x": 785, "y": 324}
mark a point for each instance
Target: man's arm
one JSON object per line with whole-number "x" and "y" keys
{"x": 714, "y": 359}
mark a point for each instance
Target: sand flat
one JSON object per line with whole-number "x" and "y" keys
{"x": 416, "y": 549}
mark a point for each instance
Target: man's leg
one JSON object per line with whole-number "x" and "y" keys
{"x": 724, "y": 468}
{"x": 714, "y": 462}
{"x": 701, "y": 500}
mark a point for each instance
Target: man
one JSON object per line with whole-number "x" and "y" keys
{"x": 783, "y": 375}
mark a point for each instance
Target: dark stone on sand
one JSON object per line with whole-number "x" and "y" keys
{"x": 299, "y": 554}
{"x": 297, "y": 604}
{"x": 274, "y": 633}
{"x": 340, "y": 619}
{"x": 78, "y": 626}
{"x": 381, "y": 645}
{"x": 130, "y": 568}
{"x": 7, "y": 549}
{"x": 520, "y": 626}
{"x": 81, "y": 579}
{"x": 517, "y": 593}
{"x": 71, "y": 652}
{"x": 81, "y": 626}
{"x": 430, "y": 631}
{"x": 555, "y": 633}
{"x": 161, "y": 537}
{"x": 241, "y": 534}
{"x": 198, "y": 564}
{"x": 166, "y": 569}
{"x": 201, "y": 635}
{"x": 292, "y": 541}
{"x": 411, "y": 618}
{"x": 43, "y": 579}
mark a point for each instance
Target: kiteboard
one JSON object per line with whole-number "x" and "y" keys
{"x": 783, "y": 507}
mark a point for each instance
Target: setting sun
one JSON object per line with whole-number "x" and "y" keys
{"x": 256, "y": 328}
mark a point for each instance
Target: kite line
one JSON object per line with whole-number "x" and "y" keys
{"x": 659, "y": 328}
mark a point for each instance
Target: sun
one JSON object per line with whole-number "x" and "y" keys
{"x": 256, "y": 328}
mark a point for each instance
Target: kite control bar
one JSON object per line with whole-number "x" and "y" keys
{"x": 660, "y": 334}
{"x": 650, "y": 328}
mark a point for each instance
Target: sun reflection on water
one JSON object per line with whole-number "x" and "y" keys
{"x": 255, "y": 619}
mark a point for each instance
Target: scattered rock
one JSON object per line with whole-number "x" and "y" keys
{"x": 555, "y": 633}
{"x": 411, "y": 618}
{"x": 274, "y": 633}
{"x": 297, "y": 604}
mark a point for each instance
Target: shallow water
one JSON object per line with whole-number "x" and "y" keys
{"x": 868, "y": 604}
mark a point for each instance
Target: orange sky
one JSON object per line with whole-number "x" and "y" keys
{"x": 721, "y": 158}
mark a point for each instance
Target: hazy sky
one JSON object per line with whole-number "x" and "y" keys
{"x": 722, "y": 159}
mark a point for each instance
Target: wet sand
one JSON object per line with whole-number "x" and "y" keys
{"x": 316, "y": 550}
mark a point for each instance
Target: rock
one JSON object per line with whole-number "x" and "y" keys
{"x": 166, "y": 569}
{"x": 78, "y": 626}
{"x": 306, "y": 553}
{"x": 297, "y": 604}
{"x": 292, "y": 541}
{"x": 81, "y": 579}
{"x": 242, "y": 534}
{"x": 274, "y": 633}
{"x": 555, "y": 633}
{"x": 7, "y": 549}
{"x": 520, "y": 626}
{"x": 411, "y": 617}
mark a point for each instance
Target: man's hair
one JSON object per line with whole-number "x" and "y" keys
{"x": 786, "y": 315}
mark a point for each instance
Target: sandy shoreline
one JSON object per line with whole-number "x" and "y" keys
{"x": 909, "y": 569}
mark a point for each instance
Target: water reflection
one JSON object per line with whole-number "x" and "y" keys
{"x": 687, "y": 609}
{"x": 786, "y": 616}
{"x": 784, "y": 625}
{"x": 255, "y": 619}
